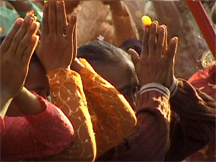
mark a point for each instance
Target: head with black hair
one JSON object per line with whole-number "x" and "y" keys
{"x": 113, "y": 64}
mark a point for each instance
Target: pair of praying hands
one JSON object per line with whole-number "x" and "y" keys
{"x": 55, "y": 49}
{"x": 16, "y": 51}
{"x": 156, "y": 62}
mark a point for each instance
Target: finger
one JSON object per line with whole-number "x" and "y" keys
{"x": 52, "y": 16}
{"x": 172, "y": 48}
{"x": 74, "y": 39}
{"x": 60, "y": 16}
{"x": 29, "y": 50}
{"x": 65, "y": 18}
{"x": 71, "y": 26}
{"x": 165, "y": 40}
{"x": 134, "y": 56}
{"x": 20, "y": 34}
{"x": 26, "y": 39}
{"x": 160, "y": 41}
{"x": 45, "y": 23}
{"x": 145, "y": 42}
{"x": 8, "y": 39}
{"x": 170, "y": 57}
{"x": 152, "y": 39}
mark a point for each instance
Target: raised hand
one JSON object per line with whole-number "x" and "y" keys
{"x": 16, "y": 51}
{"x": 56, "y": 47}
{"x": 156, "y": 62}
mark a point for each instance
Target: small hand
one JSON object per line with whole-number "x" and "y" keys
{"x": 16, "y": 51}
{"x": 56, "y": 48}
{"x": 156, "y": 62}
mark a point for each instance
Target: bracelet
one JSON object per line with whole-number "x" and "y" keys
{"x": 155, "y": 86}
{"x": 155, "y": 89}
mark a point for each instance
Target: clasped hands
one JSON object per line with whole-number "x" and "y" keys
{"x": 156, "y": 62}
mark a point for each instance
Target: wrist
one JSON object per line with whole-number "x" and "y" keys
{"x": 155, "y": 87}
{"x": 77, "y": 65}
{"x": 28, "y": 102}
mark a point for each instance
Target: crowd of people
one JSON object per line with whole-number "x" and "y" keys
{"x": 87, "y": 81}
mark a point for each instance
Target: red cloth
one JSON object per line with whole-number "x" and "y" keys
{"x": 31, "y": 136}
{"x": 205, "y": 79}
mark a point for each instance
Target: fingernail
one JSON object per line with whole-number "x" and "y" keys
{"x": 37, "y": 37}
{"x": 28, "y": 19}
{"x": 174, "y": 39}
{"x": 33, "y": 26}
{"x": 38, "y": 24}
{"x": 19, "y": 21}
{"x": 73, "y": 14}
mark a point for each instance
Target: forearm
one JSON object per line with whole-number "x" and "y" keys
{"x": 193, "y": 124}
{"x": 112, "y": 111}
{"x": 118, "y": 8}
{"x": 168, "y": 14}
{"x": 197, "y": 106}
{"x": 150, "y": 137}
{"x": 123, "y": 28}
{"x": 67, "y": 94}
{"x": 28, "y": 102}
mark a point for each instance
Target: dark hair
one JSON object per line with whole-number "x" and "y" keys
{"x": 101, "y": 52}
{"x": 132, "y": 43}
{"x": 2, "y": 39}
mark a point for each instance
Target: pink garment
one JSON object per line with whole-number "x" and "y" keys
{"x": 35, "y": 136}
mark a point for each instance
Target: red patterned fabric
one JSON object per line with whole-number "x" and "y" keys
{"x": 205, "y": 79}
{"x": 31, "y": 136}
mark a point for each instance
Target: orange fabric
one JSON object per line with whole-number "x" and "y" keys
{"x": 112, "y": 117}
{"x": 67, "y": 93}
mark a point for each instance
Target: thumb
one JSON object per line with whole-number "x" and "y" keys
{"x": 134, "y": 56}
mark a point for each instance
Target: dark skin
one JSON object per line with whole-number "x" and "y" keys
{"x": 123, "y": 77}
{"x": 157, "y": 55}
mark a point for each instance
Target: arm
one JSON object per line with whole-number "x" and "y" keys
{"x": 123, "y": 27}
{"x": 194, "y": 124}
{"x": 36, "y": 136}
{"x": 28, "y": 102}
{"x": 111, "y": 111}
{"x": 65, "y": 85}
{"x": 67, "y": 92}
{"x": 151, "y": 135}
{"x": 88, "y": 15}
{"x": 168, "y": 14}
{"x": 16, "y": 51}
{"x": 149, "y": 140}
